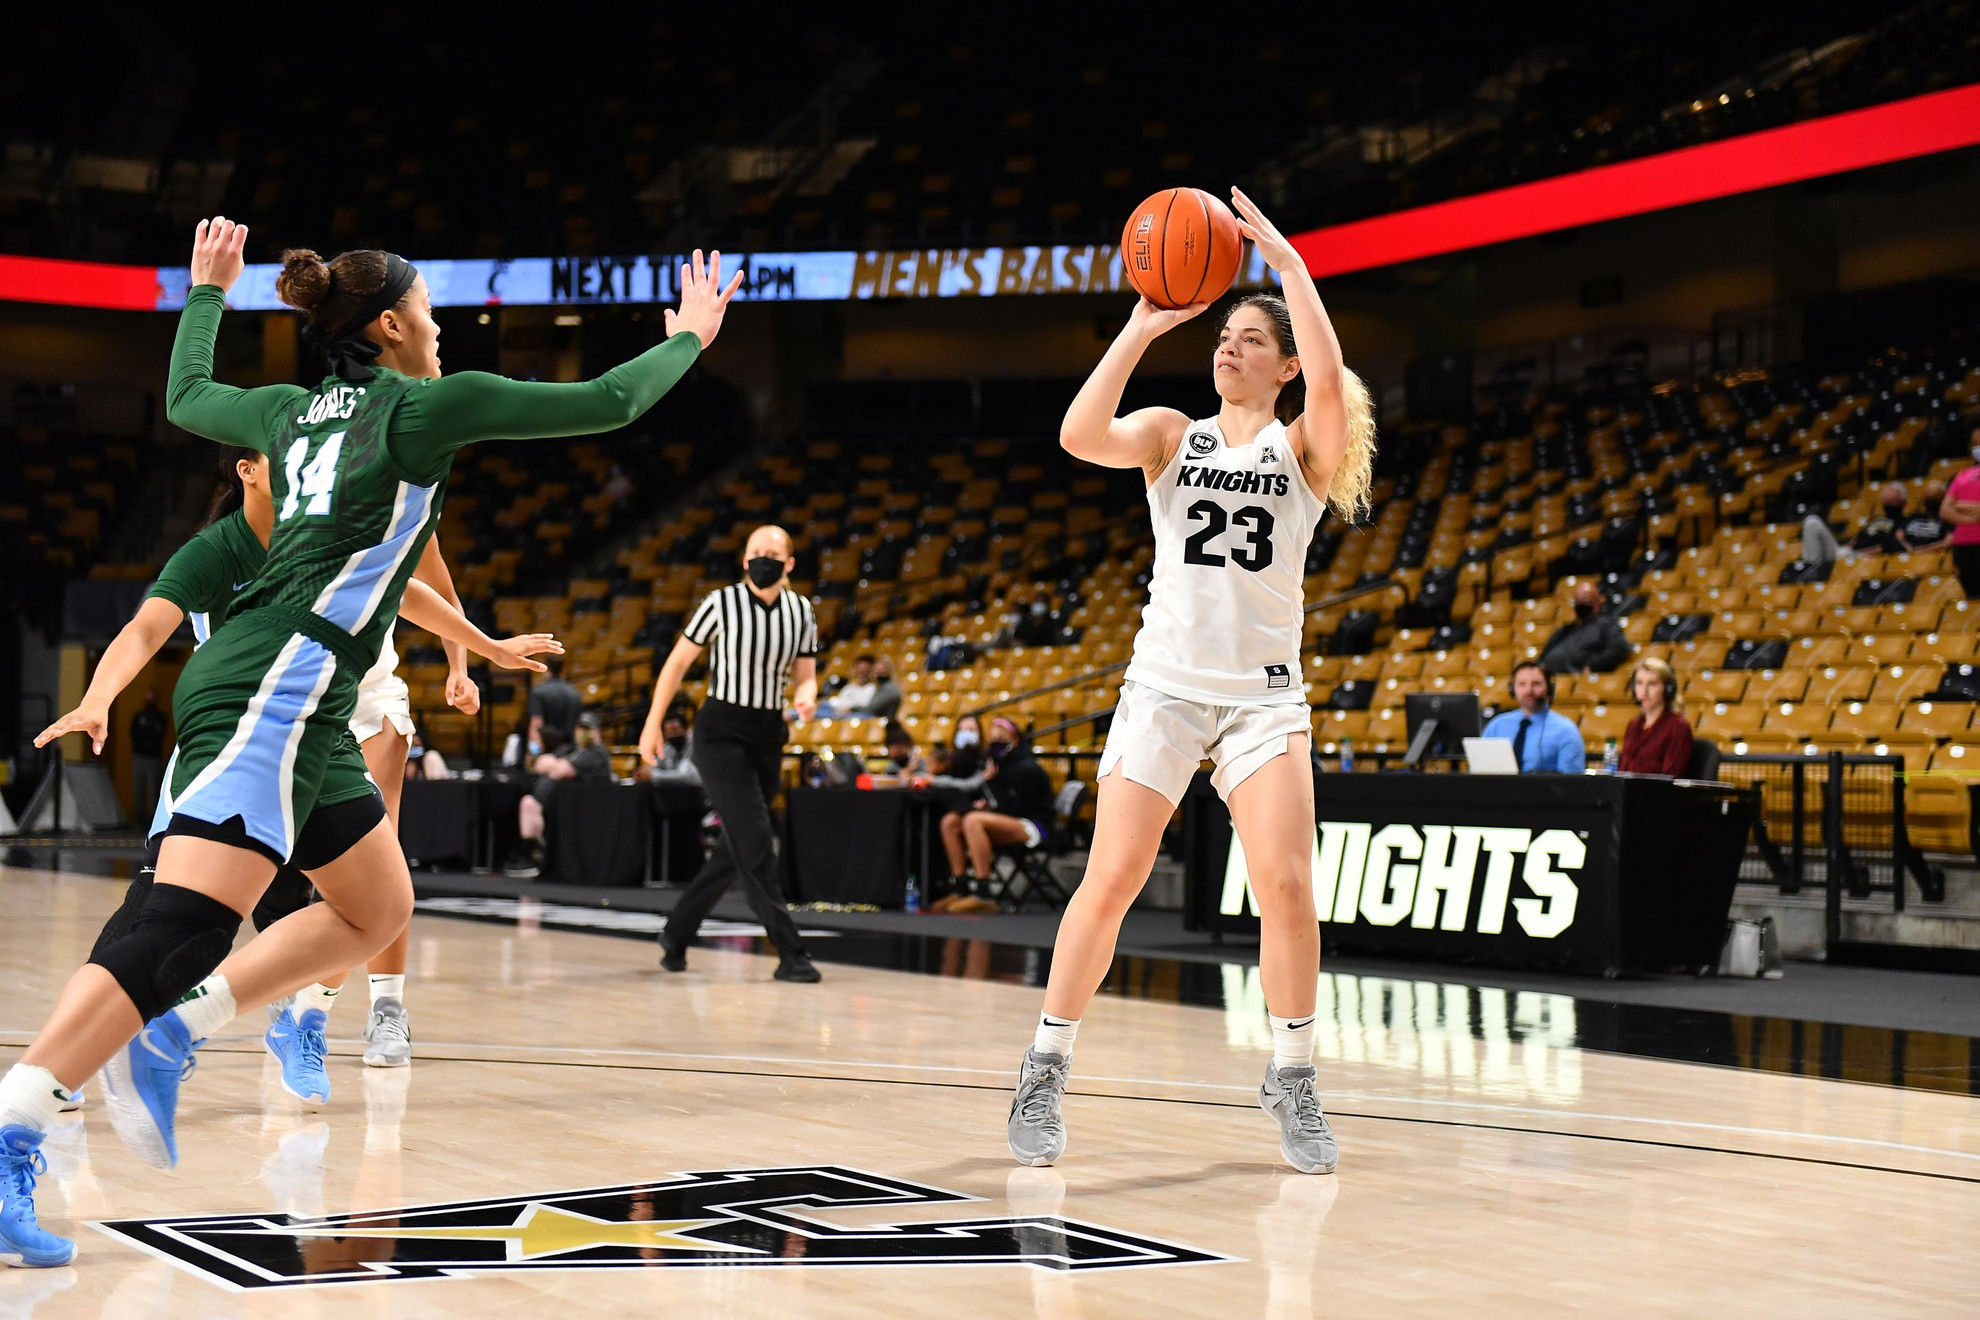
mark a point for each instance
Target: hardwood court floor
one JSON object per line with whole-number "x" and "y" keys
{"x": 1487, "y": 1167}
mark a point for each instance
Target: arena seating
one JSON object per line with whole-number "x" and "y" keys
{"x": 74, "y": 466}
{"x": 1684, "y": 501}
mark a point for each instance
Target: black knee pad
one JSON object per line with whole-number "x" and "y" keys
{"x": 127, "y": 913}
{"x": 175, "y": 943}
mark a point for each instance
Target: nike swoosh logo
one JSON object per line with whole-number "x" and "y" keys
{"x": 243, "y": 586}
{"x": 1054, "y": 1022}
{"x": 144, "y": 1038}
{"x": 1299, "y": 1026}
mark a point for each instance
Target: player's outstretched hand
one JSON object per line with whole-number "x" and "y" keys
{"x": 1153, "y": 320}
{"x": 1264, "y": 235}
{"x": 92, "y": 720}
{"x": 216, "y": 256}
{"x": 515, "y": 652}
{"x": 462, "y": 693}
{"x": 703, "y": 299}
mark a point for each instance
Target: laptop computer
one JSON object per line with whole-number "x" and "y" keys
{"x": 1489, "y": 756}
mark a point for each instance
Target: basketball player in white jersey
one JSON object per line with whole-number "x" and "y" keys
{"x": 1234, "y": 500}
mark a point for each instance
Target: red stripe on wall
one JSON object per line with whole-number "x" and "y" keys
{"x": 79, "y": 283}
{"x": 1920, "y": 126}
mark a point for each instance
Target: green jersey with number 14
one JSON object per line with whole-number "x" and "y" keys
{"x": 357, "y": 470}
{"x": 350, "y": 520}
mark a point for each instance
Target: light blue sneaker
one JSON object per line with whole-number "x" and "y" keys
{"x": 24, "y": 1242}
{"x": 299, "y": 1045}
{"x": 141, "y": 1087}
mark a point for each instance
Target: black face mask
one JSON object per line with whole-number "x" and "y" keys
{"x": 765, "y": 571}
{"x": 1584, "y": 612}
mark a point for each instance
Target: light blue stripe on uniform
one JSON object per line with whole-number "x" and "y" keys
{"x": 202, "y": 629}
{"x": 254, "y": 774}
{"x": 163, "y": 816}
{"x": 351, "y": 598}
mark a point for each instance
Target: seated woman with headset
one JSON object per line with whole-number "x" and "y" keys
{"x": 1658, "y": 740}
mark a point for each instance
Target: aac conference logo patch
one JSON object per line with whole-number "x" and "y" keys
{"x": 727, "y": 1218}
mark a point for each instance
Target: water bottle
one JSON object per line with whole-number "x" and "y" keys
{"x": 1347, "y": 757}
{"x": 911, "y": 901}
{"x": 1610, "y": 758}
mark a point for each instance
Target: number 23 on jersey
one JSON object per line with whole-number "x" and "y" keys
{"x": 310, "y": 480}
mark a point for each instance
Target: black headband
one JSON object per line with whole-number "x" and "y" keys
{"x": 347, "y": 351}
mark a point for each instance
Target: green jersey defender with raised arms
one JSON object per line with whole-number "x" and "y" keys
{"x": 268, "y": 771}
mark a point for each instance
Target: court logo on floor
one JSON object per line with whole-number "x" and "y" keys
{"x": 730, "y": 1217}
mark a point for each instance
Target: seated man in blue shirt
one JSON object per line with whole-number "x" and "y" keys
{"x": 1543, "y": 742}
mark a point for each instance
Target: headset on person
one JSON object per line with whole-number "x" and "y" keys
{"x": 1530, "y": 664}
{"x": 1661, "y": 668}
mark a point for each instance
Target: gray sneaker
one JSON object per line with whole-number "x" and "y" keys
{"x": 388, "y": 1037}
{"x": 1304, "y": 1137}
{"x": 1037, "y": 1133}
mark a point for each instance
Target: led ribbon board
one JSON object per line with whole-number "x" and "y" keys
{"x": 1900, "y": 130}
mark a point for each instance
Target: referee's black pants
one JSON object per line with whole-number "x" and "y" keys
{"x": 740, "y": 753}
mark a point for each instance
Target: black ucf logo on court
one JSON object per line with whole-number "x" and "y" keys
{"x": 753, "y": 1217}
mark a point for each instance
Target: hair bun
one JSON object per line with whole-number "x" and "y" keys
{"x": 305, "y": 280}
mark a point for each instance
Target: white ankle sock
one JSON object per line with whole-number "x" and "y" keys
{"x": 388, "y": 987}
{"x": 1055, "y": 1035}
{"x": 319, "y": 997}
{"x": 1292, "y": 1041}
{"x": 207, "y": 1007}
{"x": 31, "y": 1097}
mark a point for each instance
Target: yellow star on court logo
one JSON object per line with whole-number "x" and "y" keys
{"x": 543, "y": 1230}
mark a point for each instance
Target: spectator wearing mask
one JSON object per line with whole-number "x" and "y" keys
{"x": 1015, "y": 808}
{"x": 1544, "y": 741}
{"x": 855, "y": 693}
{"x": 147, "y": 755}
{"x": 886, "y": 698}
{"x": 1592, "y": 644}
{"x": 1961, "y": 508}
{"x": 902, "y": 758}
{"x": 422, "y": 762}
{"x": 579, "y": 755}
{"x": 552, "y": 702}
{"x": 1925, "y": 529}
{"x": 1879, "y": 533}
{"x": 673, "y": 765}
{"x": 1658, "y": 740}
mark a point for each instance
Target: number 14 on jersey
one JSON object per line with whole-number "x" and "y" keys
{"x": 309, "y": 478}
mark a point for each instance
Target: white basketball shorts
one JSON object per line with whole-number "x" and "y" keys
{"x": 1160, "y": 740}
{"x": 382, "y": 701}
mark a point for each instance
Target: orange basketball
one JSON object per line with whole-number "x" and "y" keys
{"x": 1181, "y": 246}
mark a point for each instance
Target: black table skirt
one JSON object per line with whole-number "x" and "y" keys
{"x": 439, "y": 819}
{"x": 599, "y": 834}
{"x": 842, "y": 845}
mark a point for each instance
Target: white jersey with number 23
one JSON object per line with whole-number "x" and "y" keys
{"x": 1226, "y": 607}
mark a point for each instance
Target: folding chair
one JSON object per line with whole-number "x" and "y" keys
{"x": 1033, "y": 866}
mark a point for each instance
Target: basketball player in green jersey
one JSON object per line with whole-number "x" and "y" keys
{"x": 268, "y": 771}
{"x": 198, "y": 585}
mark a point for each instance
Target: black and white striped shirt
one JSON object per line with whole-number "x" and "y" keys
{"x": 752, "y": 644}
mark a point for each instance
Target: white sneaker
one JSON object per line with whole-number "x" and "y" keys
{"x": 1290, "y": 1095}
{"x": 388, "y": 1036}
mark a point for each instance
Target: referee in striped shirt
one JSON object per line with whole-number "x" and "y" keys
{"x": 764, "y": 636}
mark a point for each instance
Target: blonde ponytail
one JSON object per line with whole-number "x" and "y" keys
{"x": 1347, "y": 494}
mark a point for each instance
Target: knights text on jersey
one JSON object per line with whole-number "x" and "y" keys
{"x": 1225, "y": 610}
